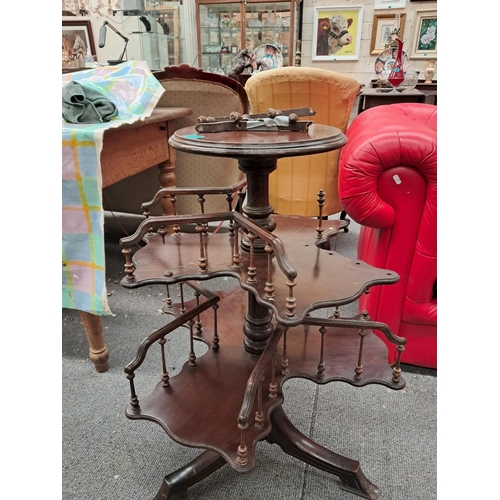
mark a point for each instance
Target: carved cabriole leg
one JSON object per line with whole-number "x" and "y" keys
{"x": 175, "y": 484}
{"x": 98, "y": 351}
{"x": 296, "y": 444}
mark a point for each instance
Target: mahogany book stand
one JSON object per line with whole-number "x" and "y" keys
{"x": 276, "y": 325}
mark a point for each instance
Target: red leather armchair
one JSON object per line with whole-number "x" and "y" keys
{"x": 388, "y": 184}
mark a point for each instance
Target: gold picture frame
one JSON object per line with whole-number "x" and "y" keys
{"x": 383, "y": 25}
{"x": 424, "y": 41}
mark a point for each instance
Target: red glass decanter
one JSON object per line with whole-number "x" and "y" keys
{"x": 396, "y": 76}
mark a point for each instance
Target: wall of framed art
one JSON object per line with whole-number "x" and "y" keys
{"x": 355, "y": 42}
{"x": 417, "y": 21}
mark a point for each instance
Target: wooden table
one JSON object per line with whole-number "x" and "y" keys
{"x": 128, "y": 150}
{"x": 263, "y": 332}
{"x": 369, "y": 98}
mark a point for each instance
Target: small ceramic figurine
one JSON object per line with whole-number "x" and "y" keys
{"x": 243, "y": 61}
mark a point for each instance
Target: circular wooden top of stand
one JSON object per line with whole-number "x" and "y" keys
{"x": 247, "y": 144}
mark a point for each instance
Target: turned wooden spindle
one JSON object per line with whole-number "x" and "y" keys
{"x": 236, "y": 260}
{"x": 358, "y": 372}
{"x": 192, "y": 355}
{"x": 168, "y": 299}
{"x": 284, "y": 359}
{"x": 230, "y": 199}
{"x": 273, "y": 386}
{"x": 252, "y": 270}
{"x": 269, "y": 287}
{"x": 321, "y": 202}
{"x": 202, "y": 260}
{"x": 198, "y": 326}
{"x": 162, "y": 231}
{"x": 173, "y": 201}
{"x": 165, "y": 378}
{"x": 242, "y": 448}
{"x": 129, "y": 267}
{"x": 290, "y": 300}
{"x": 259, "y": 414}
{"x": 201, "y": 201}
{"x": 134, "y": 400}
{"x": 183, "y": 305}
{"x": 215, "y": 339}
{"x": 321, "y": 364}
{"x": 396, "y": 369}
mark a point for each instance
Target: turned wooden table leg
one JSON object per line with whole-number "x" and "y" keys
{"x": 167, "y": 173}
{"x": 98, "y": 351}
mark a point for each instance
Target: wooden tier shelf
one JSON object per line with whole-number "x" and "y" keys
{"x": 330, "y": 278}
{"x": 219, "y": 380}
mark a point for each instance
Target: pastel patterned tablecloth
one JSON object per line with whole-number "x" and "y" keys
{"x": 135, "y": 91}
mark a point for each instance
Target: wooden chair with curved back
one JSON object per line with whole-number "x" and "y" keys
{"x": 207, "y": 94}
{"x": 294, "y": 185}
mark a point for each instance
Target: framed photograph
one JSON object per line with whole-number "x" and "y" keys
{"x": 383, "y": 26}
{"x": 77, "y": 39}
{"x": 389, "y": 4}
{"x": 337, "y": 33}
{"x": 424, "y": 41}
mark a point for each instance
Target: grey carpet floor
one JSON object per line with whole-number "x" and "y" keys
{"x": 105, "y": 456}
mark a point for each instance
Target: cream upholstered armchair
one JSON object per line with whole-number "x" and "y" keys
{"x": 206, "y": 94}
{"x": 294, "y": 185}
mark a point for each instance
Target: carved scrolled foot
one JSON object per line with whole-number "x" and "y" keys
{"x": 296, "y": 444}
{"x": 175, "y": 484}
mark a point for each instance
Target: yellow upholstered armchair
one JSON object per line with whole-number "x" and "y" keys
{"x": 294, "y": 185}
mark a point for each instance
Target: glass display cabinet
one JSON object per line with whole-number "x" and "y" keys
{"x": 225, "y": 28}
{"x": 154, "y": 33}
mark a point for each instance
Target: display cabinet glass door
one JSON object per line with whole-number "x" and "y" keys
{"x": 269, "y": 23}
{"x": 227, "y": 28}
{"x": 220, "y": 36}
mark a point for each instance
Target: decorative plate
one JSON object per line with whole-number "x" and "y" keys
{"x": 269, "y": 57}
{"x": 386, "y": 59}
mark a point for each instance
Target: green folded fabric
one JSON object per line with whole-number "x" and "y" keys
{"x": 82, "y": 104}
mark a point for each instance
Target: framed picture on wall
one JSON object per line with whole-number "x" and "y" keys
{"x": 389, "y": 4}
{"x": 77, "y": 39}
{"x": 337, "y": 33}
{"x": 424, "y": 40}
{"x": 383, "y": 26}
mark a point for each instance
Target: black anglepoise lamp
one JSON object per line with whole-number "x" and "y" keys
{"x": 102, "y": 42}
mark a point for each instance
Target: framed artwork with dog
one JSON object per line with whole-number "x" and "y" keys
{"x": 337, "y": 33}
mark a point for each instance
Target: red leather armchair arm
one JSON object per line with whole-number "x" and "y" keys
{"x": 380, "y": 139}
{"x": 388, "y": 184}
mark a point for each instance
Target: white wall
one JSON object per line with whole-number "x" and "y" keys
{"x": 362, "y": 69}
